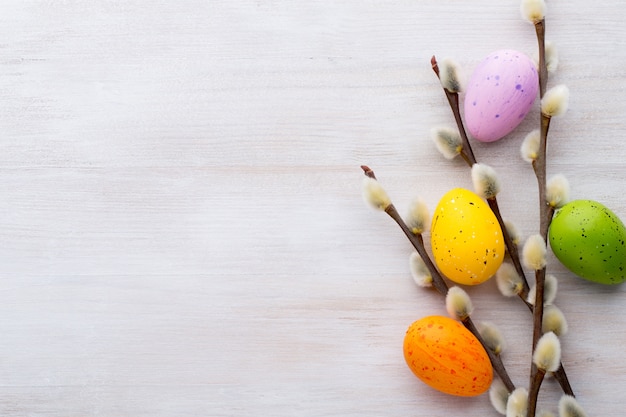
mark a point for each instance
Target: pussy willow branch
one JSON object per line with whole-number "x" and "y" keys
{"x": 540, "y": 30}
{"x": 546, "y": 211}
{"x": 470, "y": 159}
{"x": 441, "y": 286}
{"x": 453, "y": 99}
{"x": 513, "y": 252}
{"x": 533, "y": 392}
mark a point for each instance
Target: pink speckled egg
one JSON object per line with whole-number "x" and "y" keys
{"x": 500, "y": 93}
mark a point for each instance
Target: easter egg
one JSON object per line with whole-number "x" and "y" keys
{"x": 446, "y": 356}
{"x": 590, "y": 240}
{"x": 466, "y": 238}
{"x": 500, "y": 93}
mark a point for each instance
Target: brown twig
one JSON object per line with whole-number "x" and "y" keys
{"x": 546, "y": 212}
{"x": 453, "y": 99}
{"x": 511, "y": 247}
{"x": 540, "y": 30}
{"x": 533, "y": 392}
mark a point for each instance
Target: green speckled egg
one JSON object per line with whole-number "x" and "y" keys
{"x": 590, "y": 240}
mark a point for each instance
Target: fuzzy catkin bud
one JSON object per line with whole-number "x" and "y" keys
{"x": 557, "y": 191}
{"x": 552, "y": 57}
{"x": 569, "y": 407}
{"x": 450, "y": 75}
{"x": 530, "y": 146}
{"x": 534, "y": 252}
{"x": 554, "y": 321}
{"x": 555, "y": 101}
{"x": 374, "y": 194}
{"x": 419, "y": 271}
{"x": 517, "y": 404}
{"x": 448, "y": 141}
{"x": 485, "y": 180}
{"x": 550, "y": 287}
{"x": 508, "y": 280}
{"x": 492, "y": 337}
{"x": 458, "y": 303}
{"x": 498, "y": 395}
{"x": 513, "y": 231}
{"x": 533, "y": 11}
{"x": 418, "y": 219}
{"x": 547, "y": 354}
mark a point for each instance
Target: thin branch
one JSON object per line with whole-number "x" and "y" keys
{"x": 533, "y": 392}
{"x": 546, "y": 211}
{"x": 453, "y": 99}
{"x": 511, "y": 247}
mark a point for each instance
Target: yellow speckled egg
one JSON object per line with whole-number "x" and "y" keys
{"x": 466, "y": 239}
{"x": 448, "y": 357}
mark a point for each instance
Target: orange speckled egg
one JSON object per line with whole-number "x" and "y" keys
{"x": 448, "y": 357}
{"x": 466, "y": 238}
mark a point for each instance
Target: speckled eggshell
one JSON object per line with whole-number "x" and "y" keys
{"x": 446, "y": 356}
{"x": 590, "y": 240}
{"x": 501, "y": 91}
{"x": 466, "y": 238}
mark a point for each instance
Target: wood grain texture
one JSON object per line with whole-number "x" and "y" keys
{"x": 182, "y": 231}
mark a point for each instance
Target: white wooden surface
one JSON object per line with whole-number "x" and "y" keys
{"x": 181, "y": 226}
